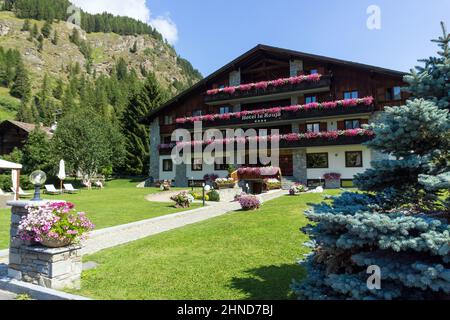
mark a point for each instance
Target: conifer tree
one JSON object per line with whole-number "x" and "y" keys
{"x": 34, "y": 32}
{"x": 40, "y": 43}
{"x": 136, "y": 134}
{"x": 55, "y": 38}
{"x": 402, "y": 226}
{"x": 21, "y": 87}
{"x": 26, "y": 25}
{"x": 46, "y": 29}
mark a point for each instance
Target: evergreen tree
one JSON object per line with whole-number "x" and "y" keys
{"x": 34, "y": 32}
{"x": 40, "y": 43}
{"x": 21, "y": 87}
{"x": 46, "y": 29}
{"x": 75, "y": 37}
{"x": 134, "y": 49}
{"x": 55, "y": 38}
{"x": 58, "y": 91}
{"x": 26, "y": 25}
{"x": 402, "y": 225}
{"x": 24, "y": 113}
{"x": 136, "y": 134}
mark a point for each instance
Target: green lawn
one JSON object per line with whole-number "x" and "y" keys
{"x": 119, "y": 203}
{"x": 5, "y": 217}
{"x": 241, "y": 255}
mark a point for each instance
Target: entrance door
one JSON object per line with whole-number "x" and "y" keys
{"x": 287, "y": 164}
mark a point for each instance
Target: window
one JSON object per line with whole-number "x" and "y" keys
{"x": 310, "y": 99}
{"x": 224, "y": 110}
{"x": 317, "y": 160}
{"x": 314, "y": 71}
{"x": 394, "y": 93}
{"x": 167, "y": 139}
{"x": 354, "y": 159}
{"x": 351, "y": 95}
{"x": 197, "y": 113}
{"x": 313, "y": 127}
{"x": 167, "y": 165}
{"x": 347, "y": 183}
{"x": 168, "y": 120}
{"x": 352, "y": 124}
{"x": 221, "y": 166}
{"x": 197, "y": 164}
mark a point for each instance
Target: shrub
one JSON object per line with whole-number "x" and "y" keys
{"x": 199, "y": 196}
{"x": 6, "y": 182}
{"x": 182, "y": 200}
{"x": 249, "y": 202}
{"x": 214, "y": 196}
{"x": 297, "y": 189}
{"x": 273, "y": 184}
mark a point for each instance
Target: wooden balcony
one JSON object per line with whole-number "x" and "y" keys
{"x": 283, "y": 116}
{"x": 323, "y": 83}
{"x": 340, "y": 140}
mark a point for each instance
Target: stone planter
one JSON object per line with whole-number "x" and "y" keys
{"x": 225, "y": 186}
{"x": 54, "y": 243}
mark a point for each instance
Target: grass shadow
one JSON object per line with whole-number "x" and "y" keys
{"x": 270, "y": 282}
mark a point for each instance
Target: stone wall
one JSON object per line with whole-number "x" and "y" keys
{"x": 51, "y": 268}
{"x": 155, "y": 141}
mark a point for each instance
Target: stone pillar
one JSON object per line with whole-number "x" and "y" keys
{"x": 300, "y": 173}
{"x": 51, "y": 268}
{"x": 295, "y": 66}
{"x": 181, "y": 179}
{"x": 155, "y": 141}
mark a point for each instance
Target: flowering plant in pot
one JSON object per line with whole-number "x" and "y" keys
{"x": 249, "y": 202}
{"x": 54, "y": 225}
{"x": 297, "y": 189}
{"x": 182, "y": 200}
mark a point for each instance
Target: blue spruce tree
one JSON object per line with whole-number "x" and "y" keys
{"x": 401, "y": 225}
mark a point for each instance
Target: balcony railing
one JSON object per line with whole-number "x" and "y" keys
{"x": 307, "y": 111}
{"x": 287, "y": 141}
{"x": 268, "y": 88}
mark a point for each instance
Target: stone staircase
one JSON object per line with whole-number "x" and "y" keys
{"x": 288, "y": 182}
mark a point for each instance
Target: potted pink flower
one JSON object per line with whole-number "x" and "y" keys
{"x": 54, "y": 225}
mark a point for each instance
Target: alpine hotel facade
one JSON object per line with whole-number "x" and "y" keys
{"x": 319, "y": 105}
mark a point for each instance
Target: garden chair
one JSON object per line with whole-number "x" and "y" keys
{"x": 68, "y": 188}
{"x": 22, "y": 193}
{"x": 50, "y": 189}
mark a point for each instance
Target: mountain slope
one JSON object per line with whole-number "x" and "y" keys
{"x": 152, "y": 54}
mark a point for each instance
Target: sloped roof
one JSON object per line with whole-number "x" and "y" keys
{"x": 269, "y": 49}
{"x": 28, "y": 127}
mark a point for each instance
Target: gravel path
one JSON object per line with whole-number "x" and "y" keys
{"x": 111, "y": 237}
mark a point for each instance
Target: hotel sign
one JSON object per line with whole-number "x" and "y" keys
{"x": 263, "y": 117}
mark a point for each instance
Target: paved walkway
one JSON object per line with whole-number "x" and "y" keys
{"x": 5, "y": 295}
{"x": 111, "y": 237}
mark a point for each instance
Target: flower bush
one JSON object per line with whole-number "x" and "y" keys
{"x": 272, "y": 184}
{"x": 297, "y": 189}
{"x": 249, "y": 202}
{"x": 58, "y": 221}
{"x": 367, "y": 101}
{"x": 214, "y": 196}
{"x": 182, "y": 199}
{"x": 263, "y": 85}
{"x": 332, "y": 176}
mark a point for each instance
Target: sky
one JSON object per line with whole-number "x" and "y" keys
{"x": 211, "y": 33}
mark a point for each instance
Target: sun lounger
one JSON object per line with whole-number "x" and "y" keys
{"x": 68, "y": 188}
{"x": 50, "y": 189}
